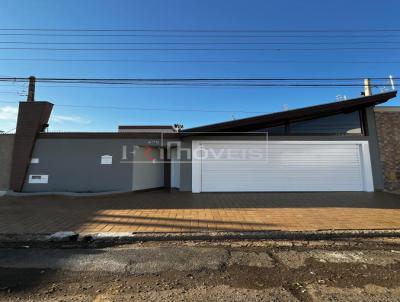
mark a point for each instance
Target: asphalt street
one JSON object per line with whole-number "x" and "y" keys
{"x": 351, "y": 270}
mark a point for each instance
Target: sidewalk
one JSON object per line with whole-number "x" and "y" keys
{"x": 161, "y": 211}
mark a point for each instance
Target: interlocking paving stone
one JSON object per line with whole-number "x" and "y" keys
{"x": 162, "y": 211}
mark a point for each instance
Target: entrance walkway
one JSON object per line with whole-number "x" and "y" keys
{"x": 161, "y": 211}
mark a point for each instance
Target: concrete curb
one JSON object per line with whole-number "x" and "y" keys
{"x": 128, "y": 237}
{"x": 284, "y": 235}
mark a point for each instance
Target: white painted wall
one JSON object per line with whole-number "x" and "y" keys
{"x": 147, "y": 174}
{"x": 175, "y": 169}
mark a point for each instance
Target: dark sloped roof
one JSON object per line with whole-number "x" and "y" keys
{"x": 302, "y": 114}
{"x": 145, "y": 127}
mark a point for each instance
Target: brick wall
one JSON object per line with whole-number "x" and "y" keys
{"x": 388, "y": 128}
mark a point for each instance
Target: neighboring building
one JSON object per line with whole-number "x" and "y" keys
{"x": 148, "y": 129}
{"x": 388, "y": 127}
{"x": 328, "y": 147}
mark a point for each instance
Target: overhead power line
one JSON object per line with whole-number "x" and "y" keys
{"x": 149, "y": 109}
{"x": 209, "y": 82}
{"x": 199, "y": 43}
{"x": 39, "y": 79}
{"x": 211, "y": 86}
{"x": 191, "y": 84}
{"x": 194, "y": 86}
{"x": 198, "y": 49}
{"x": 352, "y": 36}
{"x": 197, "y": 30}
{"x": 200, "y": 61}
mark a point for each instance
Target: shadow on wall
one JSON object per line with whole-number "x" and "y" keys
{"x": 6, "y": 149}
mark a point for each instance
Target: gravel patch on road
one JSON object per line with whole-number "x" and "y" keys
{"x": 251, "y": 259}
{"x": 133, "y": 261}
{"x": 181, "y": 259}
{"x": 371, "y": 293}
{"x": 296, "y": 259}
{"x": 197, "y": 294}
{"x": 202, "y": 293}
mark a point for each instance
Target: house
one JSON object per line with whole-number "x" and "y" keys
{"x": 329, "y": 147}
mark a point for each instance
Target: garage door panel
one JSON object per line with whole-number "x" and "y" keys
{"x": 283, "y": 167}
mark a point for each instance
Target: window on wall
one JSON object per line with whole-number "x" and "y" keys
{"x": 340, "y": 124}
{"x": 274, "y": 130}
{"x": 106, "y": 160}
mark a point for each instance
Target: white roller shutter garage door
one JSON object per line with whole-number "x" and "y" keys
{"x": 290, "y": 166}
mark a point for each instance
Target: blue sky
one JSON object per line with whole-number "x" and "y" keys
{"x": 188, "y": 14}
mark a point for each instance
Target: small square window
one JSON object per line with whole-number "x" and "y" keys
{"x": 106, "y": 160}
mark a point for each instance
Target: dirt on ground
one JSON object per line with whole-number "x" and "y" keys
{"x": 367, "y": 270}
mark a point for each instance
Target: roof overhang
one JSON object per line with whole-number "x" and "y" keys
{"x": 296, "y": 115}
